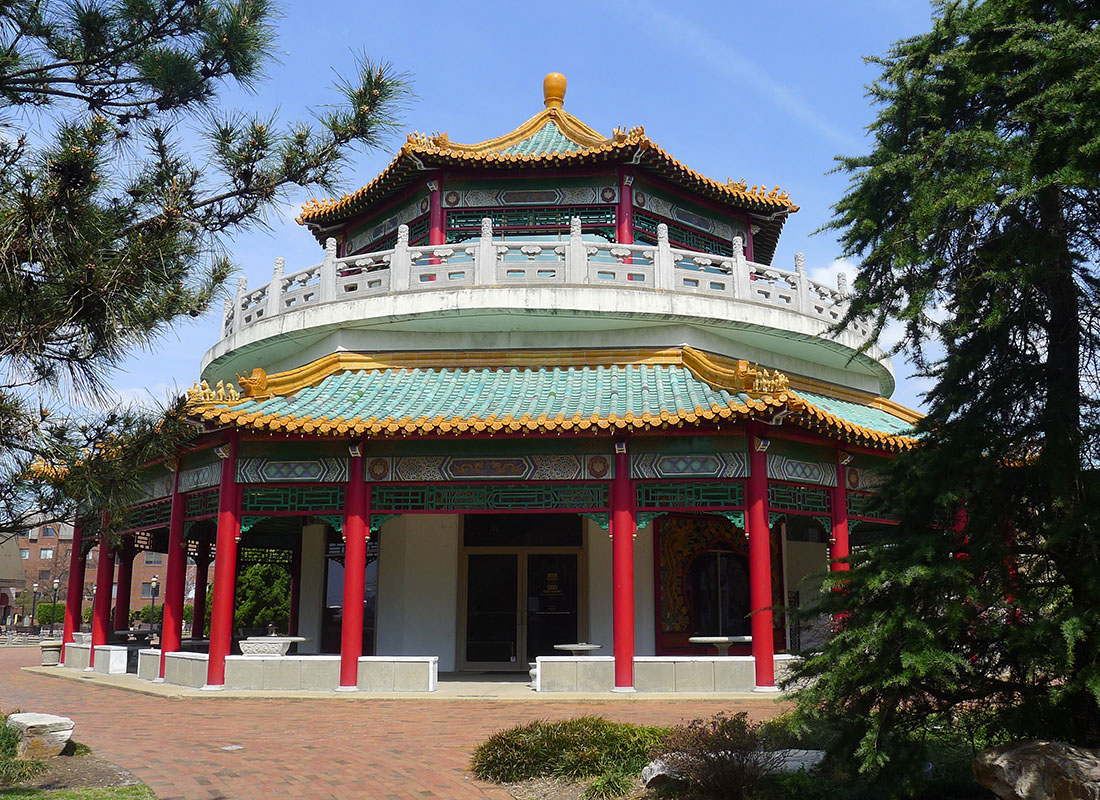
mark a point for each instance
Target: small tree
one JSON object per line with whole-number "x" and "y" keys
{"x": 263, "y": 597}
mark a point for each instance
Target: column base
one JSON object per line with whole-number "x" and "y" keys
{"x": 208, "y": 687}
{"x": 623, "y": 689}
{"x": 158, "y": 680}
{"x": 89, "y": 669}
{"x": 347, "y": 688}
{"x": 767, "y": 689}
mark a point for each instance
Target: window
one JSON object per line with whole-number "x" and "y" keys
{"x": 152, "y": 558}
{"x": 718, "y": 594}
{"x": 24, "y": 552}
{"x": 32, "y": 534}
{"x": 146, "y": 590}
{"x": 46, "y": 553}
{"x": 69, "y": 553}
{"x": 43, "y": 575}
{"x": 48, "y": 532}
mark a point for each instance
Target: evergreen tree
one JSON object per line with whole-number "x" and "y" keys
{"x": 976, "y": 218}
{"x": 110, "y": 226}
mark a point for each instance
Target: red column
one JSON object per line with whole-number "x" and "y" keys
{"x": 356, "y": 509}
{"x": 760, "y": 562}
{"x": 624, "y": 215}
{"x": 623, "y": 530}
{"x": 101, "y": 609}
{"x": 295, "y": 588}
{"x": 125, "y": 581}
{"x": 202, "y": 577}
{"x": 74, "y": 595}
{"x": 839, "y": 543}
{"x": 171, "y": 629}
{"x": 437, "y": 233}
{"x": 225, "y": 566}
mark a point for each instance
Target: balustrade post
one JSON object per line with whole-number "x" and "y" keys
{"x": 842, "y": 283}
{"x": 275, "y": 289}
{"x": 326, "y": 289}
{"x": 741, "y": 279}
{"x": 227, "y": 317}
{"x": 400, "y": 264}
{"x": 576, "y": 254}
{"x": 664, "y": 269}
{"x": 238, "y": 309}
{"x": 802, "y": 290}
{"x": 486, "y": 264}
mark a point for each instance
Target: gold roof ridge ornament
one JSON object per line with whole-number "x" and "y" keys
{"x": 754, "y": 380}
{"x": 201, "y": 393}
{"x": 255, "y": 385}
{"x": 553, "y": 90}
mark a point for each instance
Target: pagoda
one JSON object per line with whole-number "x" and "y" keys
{"x": 544, "y": 404}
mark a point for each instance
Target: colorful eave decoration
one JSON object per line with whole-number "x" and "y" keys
{"x": 536, "y": 392}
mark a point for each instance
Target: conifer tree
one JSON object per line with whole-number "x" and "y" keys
{"x": 976, "y": 219}
{"x": 110, "y": 224}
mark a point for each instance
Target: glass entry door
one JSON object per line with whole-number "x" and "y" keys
{"x": 518, "y": 606}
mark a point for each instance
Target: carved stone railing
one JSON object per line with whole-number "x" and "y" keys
{"x": 488, "y": 262}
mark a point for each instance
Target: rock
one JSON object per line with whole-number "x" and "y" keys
{"x": 656, "y": 773}
{"x": 40, "y": 735}
{"x": 1037, "y": 770}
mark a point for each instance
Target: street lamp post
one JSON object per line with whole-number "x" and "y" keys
{"x": 34, "y": 608}
{"x": 154, "y": 590}
{"x": 53, "y": 613}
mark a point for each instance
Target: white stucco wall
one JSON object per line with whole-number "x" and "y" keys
{"x": 806, "y": 561}
{"x": 311, "y": 593}
{"x": 600, "y": 622}
{"x": 418, "y": 587}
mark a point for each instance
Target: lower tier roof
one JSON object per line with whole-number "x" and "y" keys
{"x": 388, "y": 401}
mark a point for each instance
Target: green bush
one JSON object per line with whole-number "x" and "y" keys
{"x": 86, "y": 614}
{"x": 723, "y": 757}
{"x": 263, "y": 597}
{"x": 586, "y": 747}
{"x": 48, "y": 613}
{"x": 145, "y": 613}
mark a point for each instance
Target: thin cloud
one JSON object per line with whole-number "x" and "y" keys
{"x": 693, "y": 41}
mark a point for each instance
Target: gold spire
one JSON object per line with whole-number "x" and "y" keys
{"x": 553, "y": 90}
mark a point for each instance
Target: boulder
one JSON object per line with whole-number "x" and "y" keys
{"x": 40, "y": 735}
{"x": 1037, "y": 770}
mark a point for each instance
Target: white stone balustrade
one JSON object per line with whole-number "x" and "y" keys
{"x": 486, "y": 261}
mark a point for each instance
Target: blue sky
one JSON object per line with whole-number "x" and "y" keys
{"x": 765, "y": 92}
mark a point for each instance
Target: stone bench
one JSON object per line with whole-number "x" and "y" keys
{"x": 77, "y": 655}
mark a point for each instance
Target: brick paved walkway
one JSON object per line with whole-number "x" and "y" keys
{"x": 304, "y": 749}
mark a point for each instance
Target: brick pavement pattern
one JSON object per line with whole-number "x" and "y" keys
{"x": 339, "y": 748}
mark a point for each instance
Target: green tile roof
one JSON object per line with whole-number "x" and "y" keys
{"x": 547, "y": 139}
{"x": 874, "y": 418}
{"x": 466, "y": 393}
{"x": 391, "y": 400}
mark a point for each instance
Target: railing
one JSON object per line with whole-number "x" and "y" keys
{"x": 494, "y": 262}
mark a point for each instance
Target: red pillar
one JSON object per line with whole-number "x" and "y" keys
{"x": 437, "y": 233}
{"x": 839, "y": 543}
{"x": 623, "y": 530}
{"x": 101, "y": 609}
{"x": 171, "y": 629}
{"x": 74, "y": 595}
{"x": 295, "y": 588}
{"x": 202, "y": 577}
{"x": 624, "y": 215}
{"x": 225, "y": 566}
{"x": 356, "y": 509}
{"x": 760, "y": 562}
{"x": 126, "y": 556}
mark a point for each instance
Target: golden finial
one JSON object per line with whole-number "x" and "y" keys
{"x": 553, "y": 90}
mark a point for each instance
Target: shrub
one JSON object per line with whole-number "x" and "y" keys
{"x": 48, "y": 613}
{"x": 86, "y": 614}
{"x": 11, "y": 770}
{"x": 722, "y": 757}
{"x": 585, "y": 747}
{"x": 145, "y": 613}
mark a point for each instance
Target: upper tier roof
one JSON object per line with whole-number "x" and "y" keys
{"x": 555, "y": 138}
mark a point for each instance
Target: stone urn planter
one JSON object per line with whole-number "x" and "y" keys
{"x": 51, "y": 653}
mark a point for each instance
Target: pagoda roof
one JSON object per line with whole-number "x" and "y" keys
{"x": 555, "y": 138}
{"x": 350, "y": 394}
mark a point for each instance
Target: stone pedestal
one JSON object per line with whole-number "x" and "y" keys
{"x": 40, "y": 735}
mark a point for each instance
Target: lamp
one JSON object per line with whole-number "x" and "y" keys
{"x": 53, "y": 614}
{"x": 34, "y": 604}
{"x": 154, "y": 590}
